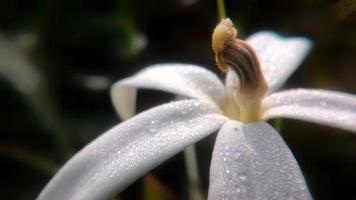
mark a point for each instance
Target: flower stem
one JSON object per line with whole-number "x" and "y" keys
{"x": 250, "y": 111}
{"x": 278, "y": 125}
{"x": 221, "y": 9}
{"x": 193, "y": 173}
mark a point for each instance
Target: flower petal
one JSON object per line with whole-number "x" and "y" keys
{"x": 231, "y": 107}
{"x": 231, "y": 82}
{"x": 182, "y": 79}
{"x": 253, "y": 162}
{"x": 329, "y": 108}
{"x": 121, "y": 155}
{"x": 279, "y": 57}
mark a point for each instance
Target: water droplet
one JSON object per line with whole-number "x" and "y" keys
{"x": 323, "y": 103}
{"x": 289, "y": 176}
{"x": 243, "y": 177}
{"x": 93, "y": 178}
{"x": 290, "y": 197}
{"x": 236, "y": 155}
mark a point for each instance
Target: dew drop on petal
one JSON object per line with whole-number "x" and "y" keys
{"x": 243, "y": 177}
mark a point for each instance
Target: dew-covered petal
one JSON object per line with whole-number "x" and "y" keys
{"x": 252, "y": 162}
{"x": 279, "y": 57}
{"x": 126, "y": 152}
{"x": 328, "y": 108}
{"x": 182, "y": 79}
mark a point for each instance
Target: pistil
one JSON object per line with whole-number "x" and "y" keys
{"x": 238, "y": 55}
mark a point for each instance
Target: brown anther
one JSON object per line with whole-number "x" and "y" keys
{"x": 238, "y": 55}
{"x": 224, "y": 32}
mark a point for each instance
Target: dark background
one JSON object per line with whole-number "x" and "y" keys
{"x": 79, "y": 48}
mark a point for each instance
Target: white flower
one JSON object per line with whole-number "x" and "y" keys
{"x": 250, "y": 160}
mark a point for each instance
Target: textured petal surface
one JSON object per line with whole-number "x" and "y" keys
{"x": 329, "y": 108}
{"x": 253, "y": 162}
{"x": 182, "y": 79}
{"x": 127, "y": 151}
{"x": 279, "y": 57}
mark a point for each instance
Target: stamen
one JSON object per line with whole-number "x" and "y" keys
{"x": 238, "y": 55}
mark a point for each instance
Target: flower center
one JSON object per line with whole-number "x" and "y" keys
{"x": 239, "y": 56}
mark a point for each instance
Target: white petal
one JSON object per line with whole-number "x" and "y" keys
{"x": 231, "y": 82}
{"x": 253, "y": 162}
{"x": 231, "y": 107}
{"x": 182, "y": 79}
{"x": 320, "y": 106}
{"x": 279, "y": 57}
{"x": 121, "y": 155}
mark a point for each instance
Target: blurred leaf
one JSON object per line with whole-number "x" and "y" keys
{"x": 345, "y": 8}
{"x": 278, "y": 125}
{"x": 155, "y": 190}
{"x": 28, "y": 158}
{"x": 31, "y": 84}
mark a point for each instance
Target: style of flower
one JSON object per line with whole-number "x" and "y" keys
{"x": 250, "y": 159}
